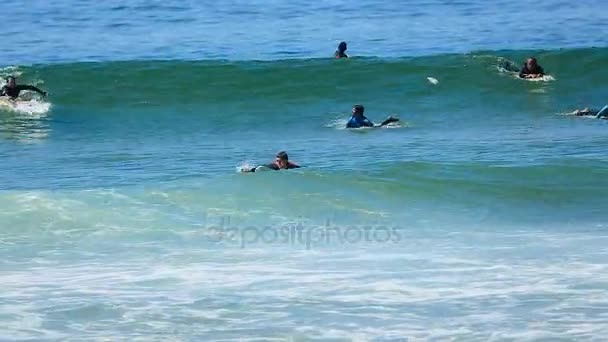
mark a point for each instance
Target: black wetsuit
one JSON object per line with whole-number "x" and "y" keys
{"x": 274, "y": 166}
{"x": 13, "y": 92}
{"x": 525, "y": 71}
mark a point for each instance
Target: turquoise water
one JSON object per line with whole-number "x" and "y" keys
{"x": 480, "y": 217}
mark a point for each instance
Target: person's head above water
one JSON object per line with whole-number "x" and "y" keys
{"x": 282, "y": 160}
{"x": 11, "y": 81}
{"x": 531, "y": 63}
{"x": 358, "y": 110}
{"x": 341, "y": 52}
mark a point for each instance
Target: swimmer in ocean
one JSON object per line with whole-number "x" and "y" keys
{"x": 12, "y": 90}
{"x": 358, "y": 119}
{"x": 599, "y": 114}
{"x": 531, "y": 69}
{"x": 341, "y": 52}
{"x": 281, "y": 162}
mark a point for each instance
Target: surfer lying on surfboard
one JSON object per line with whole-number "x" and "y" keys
{"x": 599, "y": 114}
{"x": 12, "y": 90}
{"x": 281, "y": 162}
{"x": 531, "y": 69}
{"x": 358, "y": 120}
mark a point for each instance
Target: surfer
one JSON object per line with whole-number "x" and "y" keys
{"x": 531, "y": 69}
{"x": 281, "y": 162}
{"x": 12, "y": 90}
{"x": 341, "y": 52}
{"x": 599, "y": 114}
{"x": 358, "y": 120}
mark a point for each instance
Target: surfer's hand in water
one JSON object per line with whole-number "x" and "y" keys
{"x": 389, "y": 120}
{"x": 44, "y": 93}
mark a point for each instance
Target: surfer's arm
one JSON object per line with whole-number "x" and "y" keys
{"x": 367, "y": 123}
{"x": 525, "y": 73}
{"x": 389, "y": 120}
{"x": 3, "y": 91}
{"x": 248, "y": 169}
{"x": 541, "y": 71}
{"x": 253, "y": 169}
{"x": 32, "y": 88}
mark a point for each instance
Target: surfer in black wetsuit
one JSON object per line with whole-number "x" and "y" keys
{"x": 12, "y": 90}
{"x": 281, "y": 162}
{"x": 531, "y": 69}
{"x": 341, "y": 52}
{"x": 598, "y": 114}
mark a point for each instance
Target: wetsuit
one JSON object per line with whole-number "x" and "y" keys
{"x": 13, "y": 92}
{"x": 598, "y": 114}
{"x": 274, "y": 166}
{"x": 525, "y": 71}
{"x": 359, "y": 121}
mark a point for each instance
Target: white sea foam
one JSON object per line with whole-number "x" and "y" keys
{"x": 33, "y": 106}
{"x": 133, "y": 263}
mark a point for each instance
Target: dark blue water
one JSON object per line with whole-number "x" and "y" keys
{"x": 49, "y": 31}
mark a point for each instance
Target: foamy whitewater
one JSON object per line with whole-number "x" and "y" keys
{"x": 481, "y": 216}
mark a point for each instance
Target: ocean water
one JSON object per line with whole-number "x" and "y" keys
{"x": 481, "y": 216}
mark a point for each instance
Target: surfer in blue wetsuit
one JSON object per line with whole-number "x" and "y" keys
{"x": 359, "y": 120}
{"x": 281, "y": 162}
{"x": 599, "y": 114}
{"x": 531, "y": 69}
{"x": 12, "y": 90}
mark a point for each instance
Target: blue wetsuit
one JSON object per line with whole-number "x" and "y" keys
{"x": 357, "y": 122}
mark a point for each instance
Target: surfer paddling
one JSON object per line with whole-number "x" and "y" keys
{"x": 281, "y": 162}
{"x": 12, "y": 90}
{"x": 358, "y": 120}
{"x": 599, "y": 114}
{"x": 531, "y": 69}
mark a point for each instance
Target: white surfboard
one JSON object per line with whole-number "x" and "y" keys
{"x": 545, "y": 78}
{"x": 5, "y": 103}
